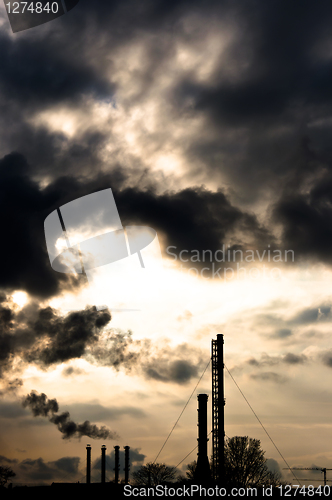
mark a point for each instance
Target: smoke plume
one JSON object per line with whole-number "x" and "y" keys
{"x": 41, "y": 406}
{"x": 42, "y": 336}
{"x": 157, "y": 361}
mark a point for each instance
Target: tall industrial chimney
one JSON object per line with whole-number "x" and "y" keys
{"x": 202, "y": 472}
{"x": 127, "y": 464}
{"x": 88, "y": 464}
{"x": 117, "y": 464}
{"x": 218, "y": 403}
{"x": 103, "y": 463}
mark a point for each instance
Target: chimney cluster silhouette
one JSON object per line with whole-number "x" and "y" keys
{"x": 103, "y": 464}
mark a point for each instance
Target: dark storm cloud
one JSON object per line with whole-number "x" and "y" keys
{"x": 266, "y": 93}
{"x": 78, "y": 61}
{"x": 193, "y": 219}
{"x": 26, "y": 205}
{"x": 306, "y": 220}
{"x": 38, "y": 74}
{"x": 25, "y": 263}
{"x": 64, "y": 67}
{"x": 68, "y": 61}
{"x": 282, "y": 86}
{"x": 190, "y": 219}
{"x": 6, "y": 323}
{"x": 270, "y": 77}
{"x": 266, "y": 88}
{"x": 41, "y": 405}
{"x": 278, "y": 70}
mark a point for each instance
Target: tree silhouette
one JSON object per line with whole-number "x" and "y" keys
{"x": 5, "y": 474}
{"x": 191, "y": 468}
{"x": 245, "y": 463}
{"x": 152, "y": 474}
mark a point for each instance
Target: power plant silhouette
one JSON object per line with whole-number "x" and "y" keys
{"x": 207, "y": 472}
{"x": 203, "y": 472}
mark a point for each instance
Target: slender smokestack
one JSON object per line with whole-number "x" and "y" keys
{"x": 218, "y": 410}
{"x": 202, "y": 472}
{"x": 127, "y": 466}
{"x": 88, "y": 464}
{"x": 117, "y": 464}
{"x": 103, "y": 463}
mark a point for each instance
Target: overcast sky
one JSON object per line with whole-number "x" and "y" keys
{"x": 211, "y": 122}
